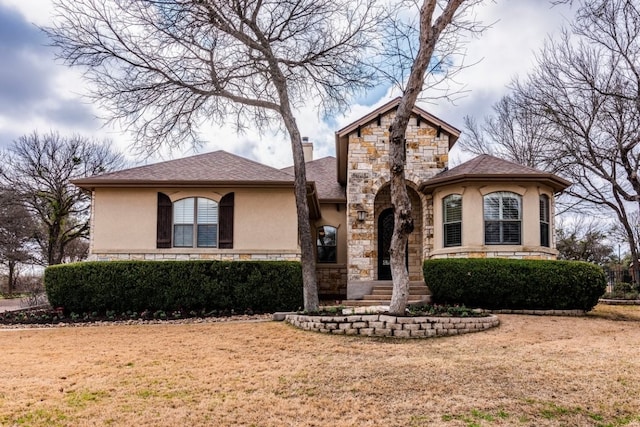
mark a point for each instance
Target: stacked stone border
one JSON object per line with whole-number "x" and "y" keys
{"x": 384, "y": 325}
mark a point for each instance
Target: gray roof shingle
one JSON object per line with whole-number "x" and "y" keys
{"x": 210, "y": 168}
{"x": 489, "y": 168}
{"x": 323, "y": 173}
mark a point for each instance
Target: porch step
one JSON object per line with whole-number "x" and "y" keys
{"x": 382, "y": 291}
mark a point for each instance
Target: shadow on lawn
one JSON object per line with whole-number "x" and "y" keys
{"x": 616, "y": 312}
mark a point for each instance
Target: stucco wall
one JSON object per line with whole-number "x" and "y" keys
{"x": 473, "y": 221}
{"x": 124, "y": 220}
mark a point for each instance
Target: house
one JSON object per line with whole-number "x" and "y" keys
{"x": 225, "y": 207}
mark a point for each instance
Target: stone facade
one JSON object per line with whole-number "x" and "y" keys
{"x": 368, "y": 179}
{"x": 332, "y": 280}
{"x": 417, "y": 239}
{"x": 549, "y": 254}
{"x": 221, "y": 255}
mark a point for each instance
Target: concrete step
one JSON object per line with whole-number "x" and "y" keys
{"x": 382, "y": 292}
{"x": 377, "y": 301}
{"x": 422, "y": 290}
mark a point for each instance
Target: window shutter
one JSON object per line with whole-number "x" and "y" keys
{"x": 225, "y": 222}
{"x": 163, "y": 236}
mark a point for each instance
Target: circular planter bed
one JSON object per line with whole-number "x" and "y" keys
{"x": 385, "y": 325}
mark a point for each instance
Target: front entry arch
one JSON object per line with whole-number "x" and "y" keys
{"x": 385, "y": 233}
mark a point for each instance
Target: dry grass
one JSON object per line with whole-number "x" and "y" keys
{"x": 531, "y": 371}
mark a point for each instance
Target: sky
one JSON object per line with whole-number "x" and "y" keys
{"x": 39, "y": 93}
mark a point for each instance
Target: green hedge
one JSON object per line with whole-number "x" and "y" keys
{"x": 175, "y": 285}
{"x": 495, "y": 283}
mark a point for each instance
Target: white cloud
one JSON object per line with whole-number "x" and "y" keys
{"x": 507, "y": 49}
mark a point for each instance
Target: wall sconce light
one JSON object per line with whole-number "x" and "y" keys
{"x": 362, "y": 215}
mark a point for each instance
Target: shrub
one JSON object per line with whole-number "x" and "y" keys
{"x": 624, "y": 291}
{"x": 171, "y": 285}
{"x": 496, "y": 283}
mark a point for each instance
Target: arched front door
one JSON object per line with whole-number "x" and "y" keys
{"x": 385, "y": 232}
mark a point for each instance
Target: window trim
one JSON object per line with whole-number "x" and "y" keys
{"x": 500, "y": 221}
{"x": 334, "y": 246}
{"x": 447, "y": 224}
{"x": 195, "y": 225}
{"x": 545, "y": 220}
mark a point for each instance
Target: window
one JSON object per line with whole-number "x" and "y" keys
{"x": 452, "y": 218}
{"x": 327, "y": 244}
{"x": 195, "y": 223}
{"x": 502, "y": 219}
{"x": 544, "y": 220}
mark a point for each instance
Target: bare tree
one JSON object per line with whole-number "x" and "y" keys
{"x": 38, "y": 169}
{"x": 165, "y": 67}
{"x": 17, "y": 230}
{"x": 580, "y": 111}
{"x": 584, "y": 240}
{"x": 587, "y": 88}
{"x": 512, "y": 132}
{"x": 434, "y": 29}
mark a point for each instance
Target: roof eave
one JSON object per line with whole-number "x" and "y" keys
{"x": 333, "y": 200}
{"x": 313, "y": 202}
{"x": 555, "y": 182}
{"x": 451, "y": 130}
{"x": 119, "y": 183}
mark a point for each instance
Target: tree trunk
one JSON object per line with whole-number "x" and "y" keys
{"x": 403, "y": 225}
{"x": 403, "y": 221}
{"x": 309, "y": 280}
{"x": 307, "y": 253}
{"x": 635, "y": 256}
{"x": 11, "y": 280}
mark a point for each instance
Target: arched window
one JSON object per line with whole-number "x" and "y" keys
{"x": 452, "y": 219}
{"x": 326, "y": 241}
{"x": 544, "y": 220}
{"x": 195, "y": 223}
{"x": 502, "y": 219}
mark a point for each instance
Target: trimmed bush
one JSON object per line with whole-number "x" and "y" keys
{"x": 136, "y": 286}
{"x": 495, "y": 283}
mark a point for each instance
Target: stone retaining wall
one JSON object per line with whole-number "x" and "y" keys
{"x": 384, "y": 325}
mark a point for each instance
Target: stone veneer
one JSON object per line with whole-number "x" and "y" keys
{"x": 223, "y": 255}
{"x": 332, "y": 279}
{"x": 384, "y": 325}
{"x": 547, "y": 255}
{"x": 368, "y": 173}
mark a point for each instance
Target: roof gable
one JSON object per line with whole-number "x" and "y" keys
{"x": 218, "y": 167}
{"x": 489, "y": 168}
{"x": 392, "y": 105}
{"x": 342, "y": 136}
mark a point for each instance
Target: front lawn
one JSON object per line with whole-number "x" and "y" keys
{"x": 542, "y": 371}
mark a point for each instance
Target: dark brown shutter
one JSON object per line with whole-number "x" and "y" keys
{"x": 225, "y": 224}
{"x": 165, "y": 210}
